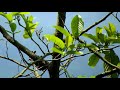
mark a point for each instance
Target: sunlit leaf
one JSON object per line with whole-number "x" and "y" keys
{"x": 92, "y": 76}
{"x": 112, "y": 28}
{"x": 62, "y": 30}
{"x": 74, "y": 52}
{"x": 92, "y": 46}
{"x": 57, "y": 51}
{"x": 113, "y": 40}
{"x": 98, "y": 31}
{"x": 94, "y": 38}
{"x": 55, "y": 40}
{"x": 108, "y": 31}
{"x": 77, "y": 25}
{"x": 69, "y": 38}
{"x": 68, "y": 41}
{"x": 30, "y": 30}
{"x": 18, "y": 13}
{"x": 31, "y": 19}
{"x": 118, "y": 64}
{"x": 93, "y": 60}
{"x": 80, "y": 76}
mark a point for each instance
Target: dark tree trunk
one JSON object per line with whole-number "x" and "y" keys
{"x": 54, "y": 66}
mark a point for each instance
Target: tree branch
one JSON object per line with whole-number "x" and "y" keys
{"x": 96, "y": 23}
{"x": 108, "y": 73}
{"x": 32, "y": 55}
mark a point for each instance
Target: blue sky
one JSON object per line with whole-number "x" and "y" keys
{"x": 47, "y": 20}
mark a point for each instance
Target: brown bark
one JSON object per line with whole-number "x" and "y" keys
{"x": 54, "y": 66}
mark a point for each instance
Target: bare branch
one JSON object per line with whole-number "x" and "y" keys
{"x": 38, "y": 35}
{"x": 32, "y": 55}
{"x": 14, "y": 61}
{"x": 96, "y": 23}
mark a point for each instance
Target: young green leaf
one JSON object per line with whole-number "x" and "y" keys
{"x": 118, "y": 64}
{"x": 55, "y": 40}
{"x": 112, "y": 28}
{"x": 30, "y": 30}
{"x": 108, "y": 31}
{"x": 80, "y": 76}
{"x": 92, "y": 46}
{"x": 77, "y": 25}
{"x": 62, "y": 30}
{"x": 69, "y": 39}
{"x": 94, "y": 38}
{"x": 93, "y": 60}
{"x": 74, "y": 52}
{"x": 8, "y": 16}
{"x": 13, "y": 27}
{"x": 98, "y": 31}
{"x": 113, "y": 40}
{"x": 57, "y": 51}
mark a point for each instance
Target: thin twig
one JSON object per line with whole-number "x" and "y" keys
{"x": 14, "y": 61}
{"x": 30, "y": 36}
{"x": 7, "y": 50}
{"x": 103, "y": 59}
{"x": 38, "y": 35}
{"x": 96, "y": 23}
{"x": 116, "y": 17}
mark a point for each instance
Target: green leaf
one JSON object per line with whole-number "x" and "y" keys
{"x": 77, "y": 25}
{"x": 92, "y": 76}
{"x": 80, "y": 76}
{"x": 30, "y": 19}
{"x": 118, "y": 64}
{"x": 102, "y": 38}
{"x": 108, "y": 31}
{"x": 93, "y": 60}
{"x": 71, "y": 47}
{"x": 94, "y": 38}
{"x": 113, "y": 40}
{"x": 55, "y": 40}
{"x": 18, "y": 13}
{"x": 30, "y": 30}
{"x": 92, "y": 46}
{"x": 24, "y": 12}
{"x": 62, "y": 30}
{"x": 9, "y": 17}
{"x": 112, "y": 58}
{"x": 26, "y": 35}
{"x": 112, "y": 28}
{"x": 69, "y": 39}
{"x": 98, "y": 31}
{"x": 57, "y": 51}
{"x": 74, "y": 52}
{"x": 13, "y": 27}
